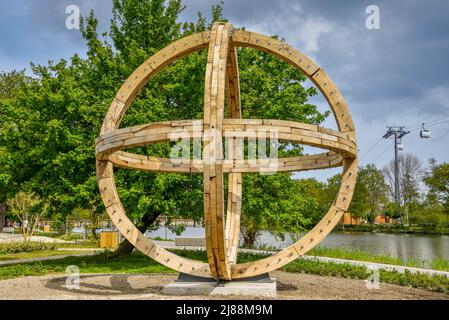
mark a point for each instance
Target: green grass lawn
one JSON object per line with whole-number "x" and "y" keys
{"x": 137, "y": 263}
{"x": 353, "y": 255}
{"x": 436, "y": 264}
{"x": 28, "y": 250}
{"x": 42, "y": 250}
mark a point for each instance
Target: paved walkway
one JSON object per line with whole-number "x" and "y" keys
{"x": 373, "y": 265}
{"x": 171, "y": 245}
{"x": 11, "y": 237}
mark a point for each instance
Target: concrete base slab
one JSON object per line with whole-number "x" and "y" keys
{"x": 262, "y": 286}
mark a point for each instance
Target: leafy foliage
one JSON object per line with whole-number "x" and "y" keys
{"x": 274, "y": 203}
{"x": 11, "y": 82}
{"x": 371, "y": 193}
{"x": 27, "y": 208}
{"x": 437, "y": 180}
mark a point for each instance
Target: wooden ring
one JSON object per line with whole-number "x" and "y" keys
{"x": 222, "y": 231}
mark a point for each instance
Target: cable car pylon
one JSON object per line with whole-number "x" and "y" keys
{"x": 398, "y": 133}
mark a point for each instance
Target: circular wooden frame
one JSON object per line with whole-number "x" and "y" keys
{"x": 222, "y": 82}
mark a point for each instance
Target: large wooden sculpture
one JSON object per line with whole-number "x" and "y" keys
{"x": 222, "y": 82}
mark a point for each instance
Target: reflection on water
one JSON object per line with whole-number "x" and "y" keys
{"x": 405, "y": 247}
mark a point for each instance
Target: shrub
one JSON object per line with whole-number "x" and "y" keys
{"x": 17, "y": 247}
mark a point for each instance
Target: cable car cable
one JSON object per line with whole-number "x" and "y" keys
{"x": 427, "y": 123}
{"x": 366, "y": 153}
{"x": 435, "y": 124}
{"x": 383, "y": 152}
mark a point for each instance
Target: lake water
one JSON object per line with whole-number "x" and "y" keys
{"x": 405, "y": 247}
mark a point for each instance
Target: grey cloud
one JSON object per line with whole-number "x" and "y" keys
{"x": 51, "y": 15}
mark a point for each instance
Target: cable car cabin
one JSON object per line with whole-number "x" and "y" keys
{"x": 400, "y": 146}
{"x": 425, "y": 134}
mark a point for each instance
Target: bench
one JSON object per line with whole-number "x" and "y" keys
{"x": 190, "y": 242}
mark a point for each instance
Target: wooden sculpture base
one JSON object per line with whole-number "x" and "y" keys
{"x": 188, "y": 285}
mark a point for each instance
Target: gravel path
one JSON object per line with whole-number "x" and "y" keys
{"x": 122, "y": 286}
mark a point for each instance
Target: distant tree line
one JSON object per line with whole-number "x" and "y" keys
{"x": 423, "y": 193}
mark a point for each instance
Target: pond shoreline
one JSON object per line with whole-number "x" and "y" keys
{"x": 392, "y": 229}
{"x": 404, "y": 246}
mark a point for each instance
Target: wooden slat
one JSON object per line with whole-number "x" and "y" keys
{"x": 278, "y": 48}
{"x": 121, "y": 139}
{"x": 148, "y": 163}
{"x": 234, "y": 203}
{"x": 215, "y": 84}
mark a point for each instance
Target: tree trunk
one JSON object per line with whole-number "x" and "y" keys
{"x": 2, "y": 215}
{"x": 125, "y": 248}
{"x": 249, "y": 238}
{"x": 2, "y": 221}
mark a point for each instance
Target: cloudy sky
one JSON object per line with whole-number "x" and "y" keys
{"x": 397, "y": 75}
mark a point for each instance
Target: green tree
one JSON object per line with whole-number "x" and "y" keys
{"x": 11, "y": 82}
{"x": 370, "y": 194}
{"x": 410, "y": 176}
{"x": 47, "y": 131}
{"x": 316, "y": 191}
{"x": 331, "y": 188}
{"x": 275, "y": 203}
{"x": 49, "y": 127}
{"x": 429, "y": 216}
{"x": 28, "y": 209}
{"x": 359, "y": 206}
{"x": 437, "y": 180}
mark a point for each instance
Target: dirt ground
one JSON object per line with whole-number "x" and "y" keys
{"x": 122, "y": 286}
